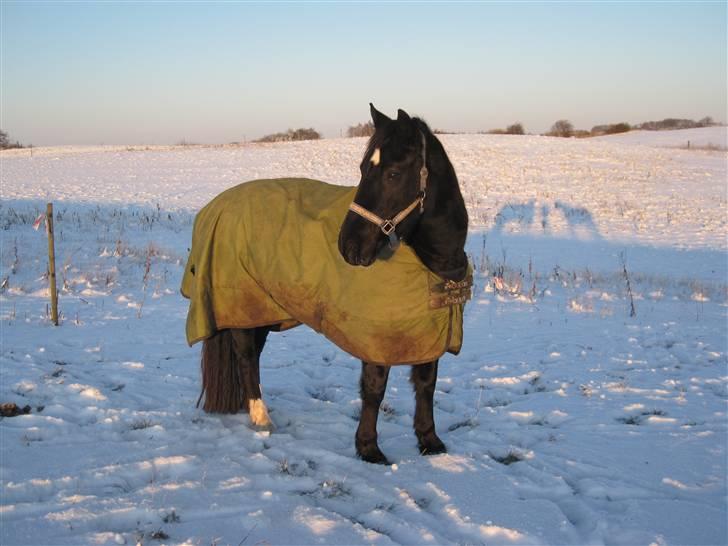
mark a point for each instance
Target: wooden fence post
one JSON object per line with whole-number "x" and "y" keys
{"x": 52, "y": 264}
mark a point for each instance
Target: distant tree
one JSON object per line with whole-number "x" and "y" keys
{"x": 360, "y": 130}
{"x": 611, "y": 129}
{"x": 668, "y": 124}
{"x": 305, "y": 134}
{"x": 674, "y": 123}
{"x": 6, "y": 144}
{"x": 562, "y": 128}
{"x": 622, "y": 127}
{"x": 292, "y": 134}
{"x": 515, "y": 129}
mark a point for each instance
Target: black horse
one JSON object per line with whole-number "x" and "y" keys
{"x": 408, "y": 191}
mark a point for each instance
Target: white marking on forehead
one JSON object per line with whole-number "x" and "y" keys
{"x": 376, "y": 157}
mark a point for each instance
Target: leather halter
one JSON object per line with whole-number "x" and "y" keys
{"x": 389, "y": 225}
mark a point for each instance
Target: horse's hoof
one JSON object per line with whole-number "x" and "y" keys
{"x": 434, "y": 447}
{"x": 375, "y": 459}
{"x": 374, "y": 456}
{"x": 270, "y": 427}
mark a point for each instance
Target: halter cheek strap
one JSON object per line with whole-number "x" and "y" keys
{"x": 389, "y": 225}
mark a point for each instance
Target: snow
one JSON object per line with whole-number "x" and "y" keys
{"x": 703, "y": 137}
{"x": 567, "y": 420}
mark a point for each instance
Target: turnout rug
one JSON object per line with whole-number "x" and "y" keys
{"x": 265, "y": 253}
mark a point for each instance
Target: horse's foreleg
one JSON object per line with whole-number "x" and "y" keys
{"x": 372, "y": 385}
{"x": 248, "y": 345}
{"x": 423, "y": 378}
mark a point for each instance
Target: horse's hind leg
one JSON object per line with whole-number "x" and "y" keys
{"x": 372, "y": 385}
{"x": 423, "y": 378}
{"x": 258, "y": 412}
{"x": 248, "y": 345}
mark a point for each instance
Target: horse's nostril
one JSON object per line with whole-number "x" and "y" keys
{"x": 356, "y": 252}
{"x": 351, "y": 253}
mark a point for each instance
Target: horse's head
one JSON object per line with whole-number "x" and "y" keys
{"x": 391, "y": 193}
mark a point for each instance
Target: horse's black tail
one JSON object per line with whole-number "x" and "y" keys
{"x": 222, "y": 375}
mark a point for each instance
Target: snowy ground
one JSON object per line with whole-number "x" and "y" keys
{"x": 704, "y": 137}
{"x": 568, "y": 421}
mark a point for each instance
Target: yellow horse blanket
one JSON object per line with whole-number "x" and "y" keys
{"x": 265, "y": 253}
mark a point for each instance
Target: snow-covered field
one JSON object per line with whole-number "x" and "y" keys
{"x": 568, "y": 421}
{"x": 704, "y": 137}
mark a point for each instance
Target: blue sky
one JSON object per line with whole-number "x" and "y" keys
{"x": 142, "y": 72}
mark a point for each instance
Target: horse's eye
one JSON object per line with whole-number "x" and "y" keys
{"x": 393, "y": 175}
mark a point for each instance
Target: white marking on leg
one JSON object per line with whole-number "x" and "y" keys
{"x": 376, "y": 157}
{"x": 259, "y": 413}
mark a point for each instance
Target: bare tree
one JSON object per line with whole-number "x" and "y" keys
{"x": 290, "y": 135}
{"x": 6, "y": 144}
{"x": 562, "y": 128}
{"x": 360, "y": 130}
{"x": 515, "y": 129}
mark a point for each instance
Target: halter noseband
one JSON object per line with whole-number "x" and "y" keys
{"x": 388, "y": 226}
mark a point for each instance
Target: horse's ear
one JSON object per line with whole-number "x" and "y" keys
{"x": 378, "y": 118}
{"x": 402, "y": 115}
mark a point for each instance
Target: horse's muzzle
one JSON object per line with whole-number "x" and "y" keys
{"x": 352, "y": 254}
{"x": 359, "y": 242}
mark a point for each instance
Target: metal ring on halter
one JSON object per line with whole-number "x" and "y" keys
{"x": 387, "y": 227}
